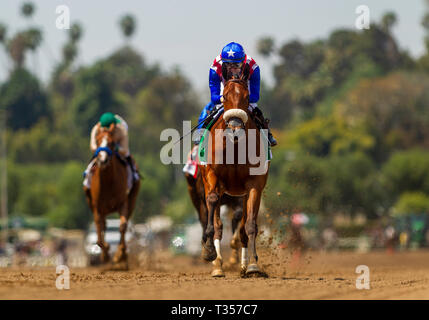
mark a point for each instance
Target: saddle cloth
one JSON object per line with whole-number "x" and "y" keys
{"x": 191, "y": 165}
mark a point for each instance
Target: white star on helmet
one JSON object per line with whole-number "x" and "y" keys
{"x": 231, "y": 53}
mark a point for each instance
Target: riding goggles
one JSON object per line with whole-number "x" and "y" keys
{"x": 233, "y": 64}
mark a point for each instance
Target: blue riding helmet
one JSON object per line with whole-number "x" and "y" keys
{"x": 233, "y": 52}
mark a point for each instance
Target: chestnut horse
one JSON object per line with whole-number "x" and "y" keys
{"x": 197, "y": 194}
{"x": 240, "y": 177}
{"x": 108, "y": 193}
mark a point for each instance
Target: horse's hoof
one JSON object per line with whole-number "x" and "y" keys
{"x": 252, "y": 268}
{"x": 120, "y": 266}
{"x": 243, "y": 271}
{"x": 218, "y": 273}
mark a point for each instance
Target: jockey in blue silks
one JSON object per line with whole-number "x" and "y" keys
{"x": 233, "y": 61}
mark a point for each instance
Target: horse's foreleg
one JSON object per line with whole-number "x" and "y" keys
{"x": 209, "y": 253}
{"x": 212, "y": 202}
{"x": 235, "y": 241}
{"x": 100, "y": 224}
{"x": 202, "y": 214}
{"x": 217, "y": 263}
{"x": 244, "y": 238}
{"x": 251, "y": 228}
{"x": 121, "y": 252}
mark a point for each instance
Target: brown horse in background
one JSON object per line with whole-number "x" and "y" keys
{"x": 236, "y": 179}
{"x": 108, "y": 194}
{"x": 197, "y": 194}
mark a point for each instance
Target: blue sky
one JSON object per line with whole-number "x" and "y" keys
{"x": 190, "y": 33}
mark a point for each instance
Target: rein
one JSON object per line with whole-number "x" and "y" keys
{"x": 99, "y": 149}
{"x": 110, "y": 153}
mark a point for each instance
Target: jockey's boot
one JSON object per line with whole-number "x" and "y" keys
{"x": 135, "y": 173}
{"x": 262, "y": 123}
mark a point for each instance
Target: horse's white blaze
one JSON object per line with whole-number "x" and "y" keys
{"x": 244, "y": 257}
{"x": 236, "y": 113}
{"x": 103, "y": 154}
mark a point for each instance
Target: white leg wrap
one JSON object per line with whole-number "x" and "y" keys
{"x": 217, "y": 247}
{"x": 244, "y": 257}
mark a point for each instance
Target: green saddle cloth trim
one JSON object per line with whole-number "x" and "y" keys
{"x": 202, "y": 147}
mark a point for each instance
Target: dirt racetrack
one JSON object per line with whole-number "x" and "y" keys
{"x": 402, "y": 275}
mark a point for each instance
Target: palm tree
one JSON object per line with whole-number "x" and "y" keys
{"x": 265, "y": 46}
{"x": 75, "y": 32}
{"x": 33, "y": 38}
{"x": 27, "y": 9}
{"x": 128, "y": 25}
{"x": 425, "y": 24}
{"x": 17, "y": 47}
{"x": 69, "y": 53}
{"x": 3, "y": 32}
{"x": 388, "y": 20}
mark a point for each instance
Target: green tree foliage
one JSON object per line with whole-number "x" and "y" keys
{"x": 33, "y": 38}
{"x": 3, "y": 33}
{"x": 128, "y": 25}
{"x": 24, "y": 100}
{"x": 69, "y": 209}
{"x": 389, "y": 19}
{"x": 406, "y": 171}
{"x": 164, "y": 103}
{"x": 130, "y": 71}
{"x": 17, "y": 47}
{"x": 348, "y": 105}
{"x": 393, "y": 110}
{"x": 347, "y": 184}
{"x": 30, "y": 192}
{"x": 39, "y": 145}
{"x": 94, "y": 95}
{"x": 265, "y": 46}
{"x": 27, "y": 9}
{"x": 75, "y": 33}
{"x": 309, "y": 72}
{"x": 324, "y": 136}
{"x": 412, "y": 203}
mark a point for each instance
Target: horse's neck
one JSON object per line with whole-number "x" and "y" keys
{"x": 107, "y": 173}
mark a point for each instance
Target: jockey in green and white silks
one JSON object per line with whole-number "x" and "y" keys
{"x": 120, "y": 136}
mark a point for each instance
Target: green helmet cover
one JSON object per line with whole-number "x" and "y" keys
{"x": 107, "y": 119}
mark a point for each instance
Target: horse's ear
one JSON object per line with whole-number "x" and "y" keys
{"x": 112, "y": 127}
{"x": 246, "y": 72}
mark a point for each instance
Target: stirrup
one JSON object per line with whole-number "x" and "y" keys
{"x": 273, "y": 142}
